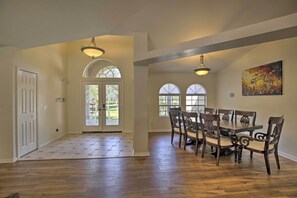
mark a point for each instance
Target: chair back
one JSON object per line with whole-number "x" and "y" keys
{"x": 245, "y": 117}
{"x": 210, "y": 126}
{"x": 175, "y": 120}
{"x": 226, "y": 114}
{"x": 274, "y": 130}
{"x": 190, "y": 122}
{"x": 209, "y": 110}
{"x": 175, "y": 108}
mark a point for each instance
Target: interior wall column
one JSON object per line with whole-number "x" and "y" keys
{"x": 140, "y": 141}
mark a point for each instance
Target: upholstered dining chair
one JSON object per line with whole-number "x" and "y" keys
{"x": 245, "y": 117}
{"x": 212, "y": 135}
{"x": 264, "y": 143}
{"x": 226, "y": 115}
{"x": 175, "y": 122}
{"x": 191, "y": 128}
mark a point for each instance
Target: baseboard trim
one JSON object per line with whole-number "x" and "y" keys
{"x": 141, "y": 154}
{"x": 288, "y": 156}
{"x": 72, "y": 132}
{"x": 8, "y": 161}
{"x": 159, "y": 130}
{"x": 48, "y": 142}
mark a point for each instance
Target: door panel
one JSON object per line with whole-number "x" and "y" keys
{"x": 27, "y": 134}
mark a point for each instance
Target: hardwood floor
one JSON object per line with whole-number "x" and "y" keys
{"x": 168, "y": 172}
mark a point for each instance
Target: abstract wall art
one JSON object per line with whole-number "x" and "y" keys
{"x": 263, "y": 80}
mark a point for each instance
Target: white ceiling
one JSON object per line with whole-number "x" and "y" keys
{"x": 30, "y": 23}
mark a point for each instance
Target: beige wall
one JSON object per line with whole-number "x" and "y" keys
{"x": 229, "y": 80}
{"x": 119, "y": 50}
{"x": 183, "y": 81}
{"x": 6, "y": 104}
{"x": 49, "y": 63}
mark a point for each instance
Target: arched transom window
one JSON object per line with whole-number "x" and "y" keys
{"x": 169, "y": 97}
{"x": 109, "y": 72}
{"x": 195, "y": 98}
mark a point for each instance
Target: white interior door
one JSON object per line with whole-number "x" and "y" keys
{"x": 27, "y": 134}
{"x": 102, "y": 110}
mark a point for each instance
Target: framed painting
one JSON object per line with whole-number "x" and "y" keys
{"x": 263, "y": 80}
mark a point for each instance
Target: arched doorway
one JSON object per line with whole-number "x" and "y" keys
{"x": 102, "y": 97}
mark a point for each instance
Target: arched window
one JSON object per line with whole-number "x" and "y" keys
{"x": 109, "y": 72}
{"x": 195, "y": 98}
{"x": 169, "y": 97}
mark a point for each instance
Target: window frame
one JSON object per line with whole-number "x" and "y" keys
{"x": 199, "y": 107}
{"x": 165, "y": 112}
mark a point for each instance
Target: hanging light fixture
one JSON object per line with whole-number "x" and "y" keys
{"x": 92, "y": 50}
{"x": 202, "y": 70}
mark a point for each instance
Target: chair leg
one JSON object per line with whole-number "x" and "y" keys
{"x": 267, "y": 163}
{"x": 180, "y": 137}
{"x": 218, "y": 155}
{"x": 251, "y": 153}
{"x": 239, "y": 155}
{"x": 196, "y": 147}
{"x": 203, "y": 149}
{"x": 185, "y": 141}
{"x": 172, "y": 136}
{"x": 235, "y": 153}
{"x": 276, "y": 158}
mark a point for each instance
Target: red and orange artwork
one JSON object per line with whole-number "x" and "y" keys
{"x": 263, "y": 80}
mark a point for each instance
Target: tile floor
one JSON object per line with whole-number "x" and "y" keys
{"x": 88, "y": 145}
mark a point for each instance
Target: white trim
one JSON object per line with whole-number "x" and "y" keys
{"x": 48, "y": 142}
{"x": 288, "y": 156}
{"x": 141, "y": 154}
{"x": 8, "y": 161}
{"x": 159, "y": 130}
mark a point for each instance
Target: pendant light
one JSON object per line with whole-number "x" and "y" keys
{"x": 92, "y": 50}
{"x": 202, "y": 70}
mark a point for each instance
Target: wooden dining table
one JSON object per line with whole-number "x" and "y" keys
{"x": 236, "y": 127}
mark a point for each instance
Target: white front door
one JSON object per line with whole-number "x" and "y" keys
{"x": 27, "y": 134}
{"x": 102, "y": 109}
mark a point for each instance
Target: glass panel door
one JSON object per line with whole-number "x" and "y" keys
{"x": 102, "y": 107}
{"x": 92, "y": 105}
{"x": 112, "y": 105}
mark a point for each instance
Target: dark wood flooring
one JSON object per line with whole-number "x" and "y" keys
{"x": 168, "y": 172}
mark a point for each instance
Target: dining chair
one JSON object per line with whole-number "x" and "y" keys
{"x": 191, "y": 128}
{"x": 212, "y": 135}
{"x": 264, "y": 143}
{"x": 209, "y": 110}
{"x": 226, "y": 115}
{"x": 245, "y": 117}
{"x": 175, "y": 108}
{"x": 175, "y": 122}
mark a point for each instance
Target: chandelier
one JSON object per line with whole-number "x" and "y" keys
{"x": 202, "y": 70}
{"x": 92, "y": 50}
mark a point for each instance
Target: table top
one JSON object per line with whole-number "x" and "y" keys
{"x": 236, "y": 127}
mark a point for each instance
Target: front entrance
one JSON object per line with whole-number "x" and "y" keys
{"x": 27, "y": 133}
{"x": 102, "y": 109}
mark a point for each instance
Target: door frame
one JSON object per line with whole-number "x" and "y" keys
{"x": 17, "y": 146}
{"x": 101, "y": 81}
